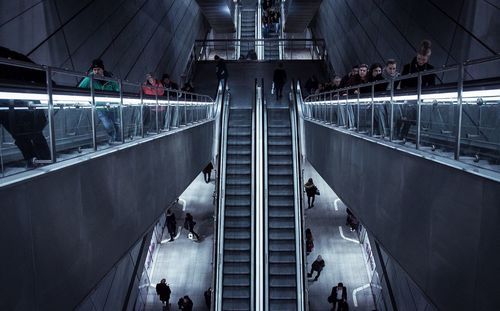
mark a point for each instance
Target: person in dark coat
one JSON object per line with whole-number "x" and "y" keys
{"x": 163, "y": 290}
{"x": 339, "y": 295}
{"x": 189, "y": 224}
{"x": 208, "y": 297}
{"x": 317, "y": 266}
{"x": 207, "y": 171}
{"x": 220, "y": 68}
{"x": 185, "y": 303}
{"x": 311, "y": 191}
{"x": 309, "y": 241}
{"x": 171, "y": 225}
{"x": 279, "y": 80}
{"x": 24, "y": 125}
{"x": 420, "y": 63}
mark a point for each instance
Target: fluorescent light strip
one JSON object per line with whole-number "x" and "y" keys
{"x": 86, "y": 99}
{"x": 487, "y": 95}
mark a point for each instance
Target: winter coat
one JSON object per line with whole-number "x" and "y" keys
{"x": 413, "y": 67}
{"x": 164, "y": 291}
{"x": 279, "y": 76}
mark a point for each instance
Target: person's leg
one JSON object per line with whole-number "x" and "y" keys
{"x": 107, "y": 123}
{"x": 317, "y": 275}
{"x": 310, "y": 273}
{"x": 195, "y": 234}
{"x": 308, "y": 202}
{"x": 313, "y": 198}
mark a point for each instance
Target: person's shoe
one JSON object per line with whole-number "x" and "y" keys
{"x": 309, "y": 275}
{"x": 316, "y": 279}
{"x": 312, "y": 205}
{"x": 171, "y": 240}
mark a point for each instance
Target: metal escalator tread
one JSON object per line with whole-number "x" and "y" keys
{"x": 237, "y": 215}
{"x": 281, "y": 213}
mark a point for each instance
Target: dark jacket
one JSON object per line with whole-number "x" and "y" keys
{"x": 171, "y": 223}
{"x": 310, "y": 189}
{"x": 186, "y": 305}
{"x": 378, "y": 87}
{"x": 333, "y": 294}
{"x": 208, "y": 169}
{"x": 279, "y": 76}
{"x": 164, "y": 291}
{"x": 413, "y": 67}
{"x": 189, "y": 223}
{"x": 221, "y": 70}
{"x": 318, "y": 265}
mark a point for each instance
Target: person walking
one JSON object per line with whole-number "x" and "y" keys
{"x": 317, "y": 266}
{"x": 279, "y": 80}
{"x": 311, "y": 191}
{"x": 189, "y": 224}
{"x": 163, "y": 290}
{"x": 338, "y": 295}
{"x": 207, "y": 171}
{"x": 171, "y": 225}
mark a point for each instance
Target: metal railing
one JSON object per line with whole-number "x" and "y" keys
{"x": 458, "y": 120}
{"x": 259, "y": 202}
{"x": 293, "y": 49}
{"x": 70, "y": 122}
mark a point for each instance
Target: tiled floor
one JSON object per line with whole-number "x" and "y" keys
{"x": 343, "y": 255}
{"x": 185, "y": 264}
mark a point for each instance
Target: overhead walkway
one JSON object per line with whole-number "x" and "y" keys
{"x": 76, "y": 218}
{"x": 414, "y": 201}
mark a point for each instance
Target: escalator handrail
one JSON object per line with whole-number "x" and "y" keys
{"x": 302, "y": 297}
{"x": 254, "y": 283}
{"x": 220, "y": 210}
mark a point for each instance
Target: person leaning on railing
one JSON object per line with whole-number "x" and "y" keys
{"x": 104, "y": 112}
{"x": 420, "y": 63}
{"x": 24, "y": 125}
{"x": 152, "y": 87}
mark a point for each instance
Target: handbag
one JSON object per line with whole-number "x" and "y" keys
{"x": 316, "y": 191}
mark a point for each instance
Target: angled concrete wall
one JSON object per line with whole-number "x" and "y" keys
{"x": 61, "y": 232}
{"x": 438, "y": 222}
{"x": 368, "y": 31}
{"x": 131, "y": 36}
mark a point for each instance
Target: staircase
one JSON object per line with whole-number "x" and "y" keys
{"x": 247, "y": 30}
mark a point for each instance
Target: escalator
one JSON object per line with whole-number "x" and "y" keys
{"x": 236, "y": 263}
{"x": 282, "y": 225}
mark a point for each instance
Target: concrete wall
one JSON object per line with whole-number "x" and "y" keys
{"x": 368, "y": 31}
{"x": 131, "y": 36}
{"x": 439, "y": 223}
{"x": 63, "y": 231}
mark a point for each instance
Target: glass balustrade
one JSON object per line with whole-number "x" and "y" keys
{"x": 458, "y": 119}
{"x": 44, "y": 124}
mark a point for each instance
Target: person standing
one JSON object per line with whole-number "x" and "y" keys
{"x": 338, "y": 295}
{"x": 189, "y": 224}
{"x": 208, "y": 297}
{"x": 309, "y": 241}
{"x": 163, "y": 290}
{"x": 311, "y": 191}
{"x": 279, "y": 80}
{"x": 104, "y": 112}
{"x": 317, "y": 266}
{"x": 220, "y": 69}
{"x": 171, "y": 225}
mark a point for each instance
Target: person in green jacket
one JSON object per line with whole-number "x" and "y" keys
{"x": 104, "y": 112}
